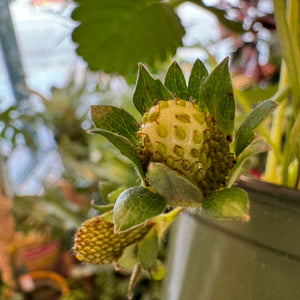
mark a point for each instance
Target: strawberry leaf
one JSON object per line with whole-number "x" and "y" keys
{"x": 114, "y": 35}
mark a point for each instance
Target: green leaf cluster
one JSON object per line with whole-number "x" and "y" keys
{"x": 15, "y": 124}
{"x": 214, "y": 94}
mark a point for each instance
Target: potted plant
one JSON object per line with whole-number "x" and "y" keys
{"x": 185, "y": 157}
{"x": 209, "y": 258}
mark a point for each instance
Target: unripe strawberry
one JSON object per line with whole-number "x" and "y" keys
{"x": 179, "y": 134}
{"x": 96, "y": 242}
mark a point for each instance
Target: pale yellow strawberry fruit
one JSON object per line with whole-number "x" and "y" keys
{"x": 179, "y": 134}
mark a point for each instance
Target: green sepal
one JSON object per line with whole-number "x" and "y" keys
{"x": 113, "y": 196}
{"x": 129, "y": 257}
{"x": 102, "y": 208}
{"x": 245, "y": 133}
{"x": 135, "y": 206}
{"x": 124, "y": 146}
{"x": 217, "y": 94}
{"x": 178, "y": 190}
{"x": 148, "y": 91}
{"x": 158, "y": 271}
{"x": 256, "y": 147}
{"x": 107, "y": 216}
{"x": 175, "y": 82}
{"x": 198, "y": 74}
{"x": 232, "y": 203}
{"x": 116, "y": 120}
{"x": 148, "y": 249}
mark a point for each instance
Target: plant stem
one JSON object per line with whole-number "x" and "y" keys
{"x": 137, "y": 270}
{"x": 276, "y": 135}
{"x": 242, "y": 100}
{"x": 287, "y": 158}
{"x": 287, "y": 30}
{"x": 163, "y": 221}
{"x": 281, "y": 94}
{"x": 279, "y": 97}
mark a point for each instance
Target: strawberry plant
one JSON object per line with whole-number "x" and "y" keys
{"x": 187, "y": 153}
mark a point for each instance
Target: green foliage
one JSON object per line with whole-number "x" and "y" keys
{"x": 295, "y": 138}
{"x": 256, "y": 93}
{"x": 175, "y": 82}
{"x": 114, "y": 35}
{"x": 135, "y": 206}
{"x": 125, "y": 147}
{"x": 214, "y": 92}
{"x": 129, "y": 257}
{"x": 217, "y": 95}
{"x": 148, "y": 249}
{"x": 198, "y": 74}
{"x": 178, "y": 190}
{"x": 160, "y": 185}
{"x": 245, "y": 133}
{"x": 115, "y": 120}
{"x": 103, "y": 208}
{"x": 158, "y": 271}
{"x": 256, "y": 147}
{"x": 148, "y": 90}
{"x": 14, "y": 123}
{"x": 228, "y": 203}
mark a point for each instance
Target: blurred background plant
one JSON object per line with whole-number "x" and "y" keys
{"x": 56, "y": 168}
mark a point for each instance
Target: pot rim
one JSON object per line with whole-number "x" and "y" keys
{"x": 283, "y": 192}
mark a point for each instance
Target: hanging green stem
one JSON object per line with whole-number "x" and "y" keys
{"x": 288, "y": 29}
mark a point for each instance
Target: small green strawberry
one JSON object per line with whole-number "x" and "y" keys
{"x": 179, "y": 134}
{"x": 96, "y": 242}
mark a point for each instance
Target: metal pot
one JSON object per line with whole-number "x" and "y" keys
{"x": 234, "y": 260}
